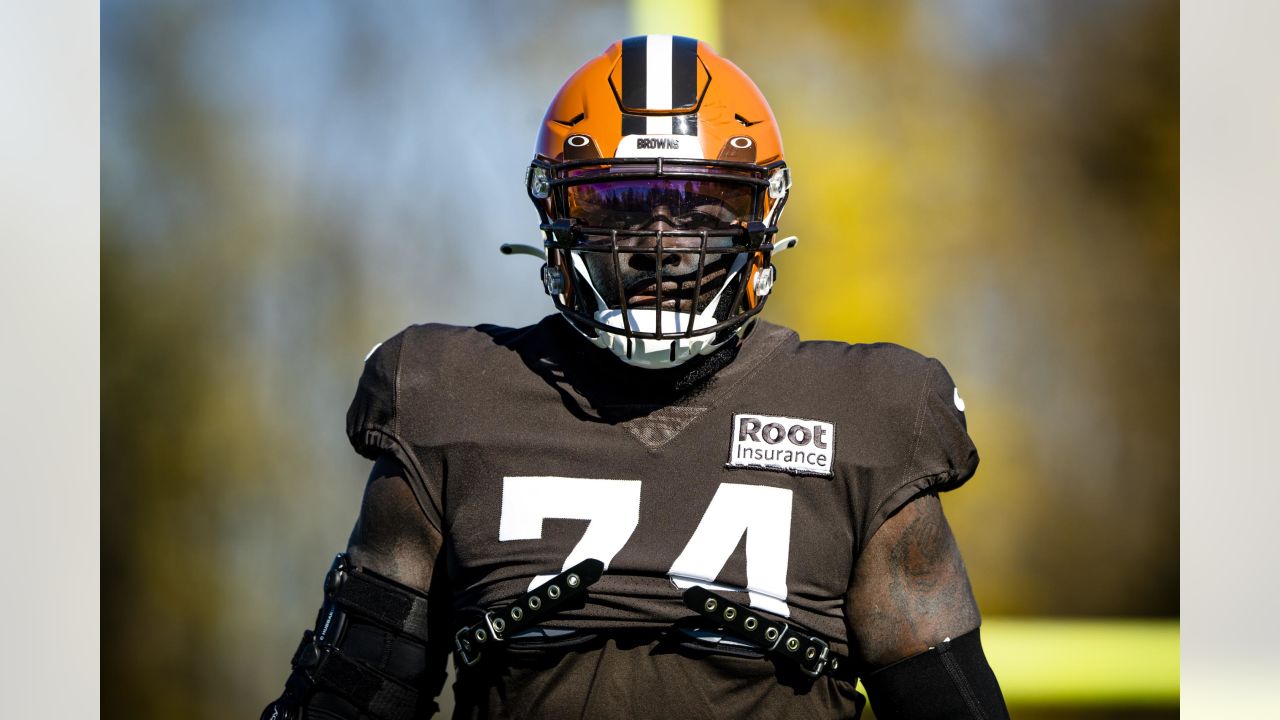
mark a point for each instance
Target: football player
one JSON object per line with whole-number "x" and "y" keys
{"x": 651, "y": 503}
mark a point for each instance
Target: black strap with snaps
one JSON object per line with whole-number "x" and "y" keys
{"x": 499, "y": 623}
{"x": 774, "y": 637}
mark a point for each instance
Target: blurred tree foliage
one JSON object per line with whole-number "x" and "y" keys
{"x": 993, "y": 183}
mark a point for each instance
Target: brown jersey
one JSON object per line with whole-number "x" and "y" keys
{"x": 761, "y": 477}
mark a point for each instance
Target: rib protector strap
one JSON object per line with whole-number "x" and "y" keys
{"x": 952, "y": 680}
{"x": 772, "y": 635}
{"x": 367, "y": 655}
{"x": 528, "y": 610}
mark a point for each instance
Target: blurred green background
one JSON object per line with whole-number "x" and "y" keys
{"x": 991, "y": 182}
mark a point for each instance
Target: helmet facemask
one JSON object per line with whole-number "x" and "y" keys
{"x": 658, "y": 260}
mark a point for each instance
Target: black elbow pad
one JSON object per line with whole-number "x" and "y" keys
{"x": 367, "y": 656}
{"x": 952, "y": 680}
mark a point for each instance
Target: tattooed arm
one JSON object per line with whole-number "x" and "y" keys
{"x": 910, "y": 589}
{"x": 914, "y": 621}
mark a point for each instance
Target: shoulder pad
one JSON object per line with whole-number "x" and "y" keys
{"x": 371, "y": 418}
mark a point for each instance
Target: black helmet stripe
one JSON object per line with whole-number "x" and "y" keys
{"x": 633, "y": 124}
{"x": 633, "y": 71}
{"x": 684, "y": 72}
{"x": 660, "y": 72}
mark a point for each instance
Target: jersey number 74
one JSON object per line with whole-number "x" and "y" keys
{"x": 612, "y": 509}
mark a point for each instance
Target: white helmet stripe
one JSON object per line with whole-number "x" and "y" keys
{"x": 658, "y": 83}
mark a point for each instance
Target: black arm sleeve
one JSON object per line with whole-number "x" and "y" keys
{"x": 366, "y": 659}
{"x": 951, "y": 680}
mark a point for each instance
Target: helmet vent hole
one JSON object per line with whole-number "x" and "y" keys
{"x": 745, "y": 122}
{"x": 573, "y": 120}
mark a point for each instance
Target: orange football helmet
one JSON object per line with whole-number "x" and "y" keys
{"x": 659, "y": 179}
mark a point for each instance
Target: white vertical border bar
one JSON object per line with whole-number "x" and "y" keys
{"x": 1230, "y": 358}
{"x": 50, "y": 514}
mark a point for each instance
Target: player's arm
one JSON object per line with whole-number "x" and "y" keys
{"x": 374, "y": 653}
{"x": 914, "y": 622}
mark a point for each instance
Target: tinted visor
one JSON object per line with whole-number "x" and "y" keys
{"x": 642, "y": 203}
